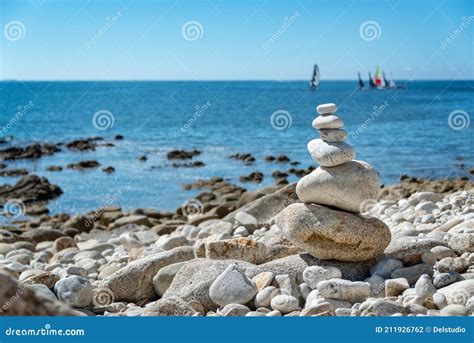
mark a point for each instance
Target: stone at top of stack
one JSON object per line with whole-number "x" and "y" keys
{"x": 345, "y": 185}
{"x": 339, "y": 181}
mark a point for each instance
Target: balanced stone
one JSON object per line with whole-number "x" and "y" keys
{"x": 346, "y": 186}
{"x": 333, "y": 135}
{"x": 330, "y": 234}
{"x": 330, "y": 154}
{"x": 330, "y": 121}
{"x": 326, "y": 108}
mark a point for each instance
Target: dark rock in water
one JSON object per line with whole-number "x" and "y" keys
{"x": 281, "y": 181}
{"x": 142, "y": 158}
{"x": 107, "y": 145}
{"x": 213, "y": 182}
{"x": 36, "y": 210}
{"x": 195, "y": 164}
{"x": 3, "y": 165}
{"x": 252, "y": 177}
{"x": 295, "y": 163}
{"x": 30, "y": 189}
{"x": 278, "y": 174}
{"x": 82, "y": 145}
{"x": 88, "y": 164}
{"x": 31, "y": 151}
{"x": 182, "y": 154}
{"x": 54, "y": 168}
{"x": 282, "y": 159}
{"x": 24, "y": 301}
{"x": 301, "y": 172}
{"x": 14, "y": 172}
{"x": 270, "y": 158}
{"x": 109, "y": 170}
{"x": 118, "y": 137}
{"x": 248, "y": 159}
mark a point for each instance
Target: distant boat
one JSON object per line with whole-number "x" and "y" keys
{"x": 361, "y": 83}
{"x": 387, "y": 84}
{"x": 380, "y": 81}
{"x": 371, "y": 81}
{"x": 314, "y": 83}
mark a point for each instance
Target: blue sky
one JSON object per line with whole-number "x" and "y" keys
{"x": 244, "y": 40}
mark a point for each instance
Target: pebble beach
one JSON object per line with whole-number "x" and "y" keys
{"x": 333, "y": 243}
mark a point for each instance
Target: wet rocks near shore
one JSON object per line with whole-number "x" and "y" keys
{"x": 248, "y": 159}
{"x": 30, "y": 189}
{"x": 252, "y": 177}
{"x": 13, "y": 172}
{"x": 29, "y": 152}
{"x": 82, "y": 165}
{"x": 182, "y": 154}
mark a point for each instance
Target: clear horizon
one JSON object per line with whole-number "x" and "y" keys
{"x": 235, "y": 40}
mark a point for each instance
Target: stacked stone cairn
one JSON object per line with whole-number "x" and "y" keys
{"x": 328, "y": 224}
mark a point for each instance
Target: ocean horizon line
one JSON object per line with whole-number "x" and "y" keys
{"x": 220, "y": 80}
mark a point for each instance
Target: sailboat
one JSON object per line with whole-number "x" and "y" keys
{"x": 314, "y": 83}
{"x": 361, "y": 83}
{"x": 371, "y": 81}
{"x": 378, "y": 79}
{"x": 387, "y": 84}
